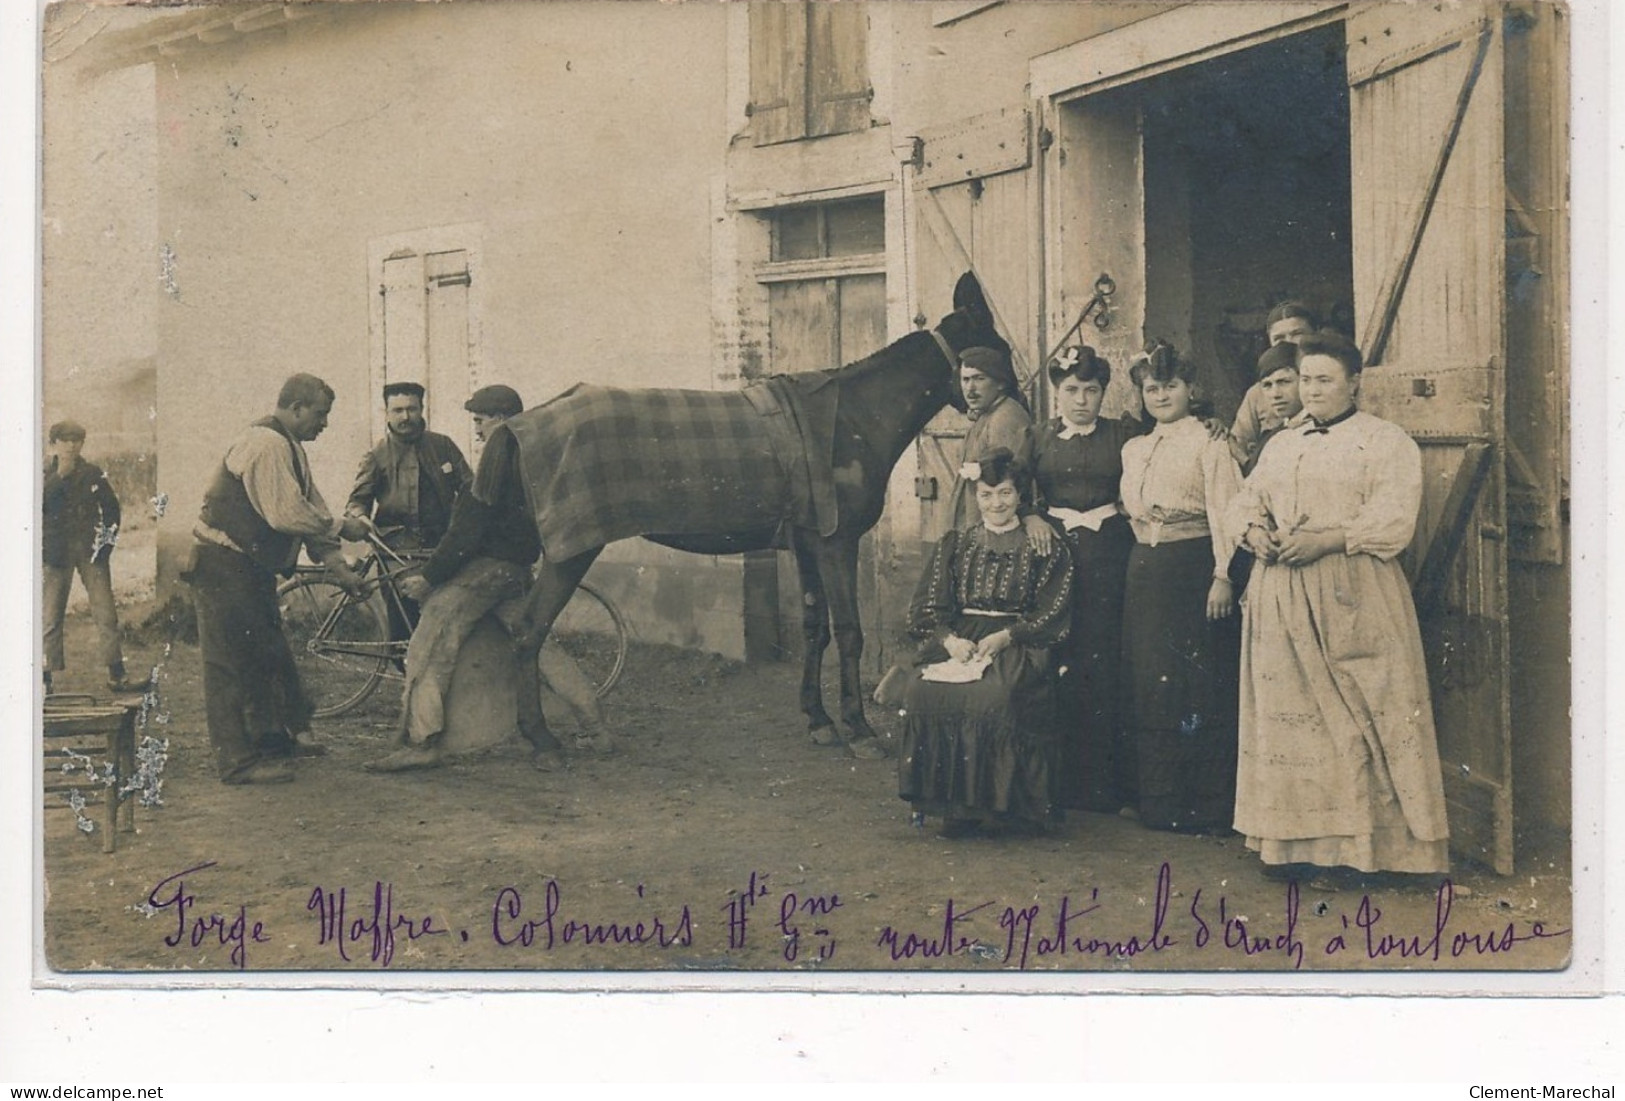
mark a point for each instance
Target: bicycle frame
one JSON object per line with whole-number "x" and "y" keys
{"x": 377, "y": 578}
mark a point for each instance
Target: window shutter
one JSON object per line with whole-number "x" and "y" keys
{"x": 406, "y": 351}
{"x": 778, "y": 71}
{"x": 838, "y": 68}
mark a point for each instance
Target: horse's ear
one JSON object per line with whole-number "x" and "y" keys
{"x": 968, "y": 295}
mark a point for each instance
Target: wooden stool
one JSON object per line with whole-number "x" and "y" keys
{"x": 103, "y": 732}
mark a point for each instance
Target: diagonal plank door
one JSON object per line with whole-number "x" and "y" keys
{"x": 1429, "y": 241}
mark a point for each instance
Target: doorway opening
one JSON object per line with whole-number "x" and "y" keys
{"x": 1247, "y": 201}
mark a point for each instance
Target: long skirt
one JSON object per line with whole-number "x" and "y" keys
{"x": 1339, "y": 759}
{"x": 1096, "y": 765}
{"x": 1182, "y": 672}
{"x": 985, "y": 748}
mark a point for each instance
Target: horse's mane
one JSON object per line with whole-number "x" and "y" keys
{"x": 858, "y": 369}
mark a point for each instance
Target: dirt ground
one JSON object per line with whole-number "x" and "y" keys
{"x": 719, "y": 838}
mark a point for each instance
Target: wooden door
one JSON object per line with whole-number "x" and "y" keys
{"x": 980, "y": 225}
{"x": 1429, "y": 237}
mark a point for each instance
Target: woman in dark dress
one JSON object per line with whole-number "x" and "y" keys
{"x": 1181, "y": 639}
{"x": 984, "y": 748}
{"x": 1079, "y": 467}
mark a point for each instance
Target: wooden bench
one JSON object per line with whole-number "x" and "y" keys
{"x": 80, "y": 727}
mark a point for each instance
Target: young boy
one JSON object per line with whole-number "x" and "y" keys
{"x": 1287, "y": 323}
{"x": 81, "y": 520}
{"x": 1277, "y": 387}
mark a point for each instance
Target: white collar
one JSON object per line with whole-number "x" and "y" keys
{"x": 1180, "y": 425}
{"x": 1069, "y": 430}
{"x": 1015, "y": 522}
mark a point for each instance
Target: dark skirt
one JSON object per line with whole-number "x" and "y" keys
{"x": 1095, "y": 766}
{"x": 986, "y": 748}
{"x": 1183, "y": 675}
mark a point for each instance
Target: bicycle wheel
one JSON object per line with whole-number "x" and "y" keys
{"x": 591, "y": 631}
{"x": 340, "y": 646}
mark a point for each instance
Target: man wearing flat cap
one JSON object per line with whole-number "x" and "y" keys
{"x": 81, "y": 521}
{"x": 482, "y": 564}
{"x": 999, "y": 418}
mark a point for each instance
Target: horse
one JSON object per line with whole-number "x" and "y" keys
{"x": 885, "y": 401}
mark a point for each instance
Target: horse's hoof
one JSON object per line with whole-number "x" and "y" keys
{"x": 825, "y": 735}
{"x": 868, "y": 749}
{"x": 547, "y": 760}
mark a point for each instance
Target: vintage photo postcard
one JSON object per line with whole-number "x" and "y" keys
{"x": 979, "y": 495}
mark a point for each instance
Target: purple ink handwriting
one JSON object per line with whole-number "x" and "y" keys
{"x": 376, "y": 927}
{"x": 512, "y": 926}
{"x": 803, "y": 926}
{"x": 212, "y": 928}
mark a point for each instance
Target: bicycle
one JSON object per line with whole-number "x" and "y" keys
{"x": 341, "y": 642}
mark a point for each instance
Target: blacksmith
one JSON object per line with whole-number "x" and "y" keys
{"x": 261, "y": 506}
{"x": 81, "y": 522}
{"x": 482, "y": 564}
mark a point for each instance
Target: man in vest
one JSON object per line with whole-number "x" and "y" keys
{"x": 408, "y": 483}
{"x": 482, "y": 564}
{"x": 258, "y": 510}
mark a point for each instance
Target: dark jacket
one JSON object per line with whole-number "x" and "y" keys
{"x": 493, "y": 519}
{"x": 81, "y": 516}
{"x": 413, "y": 487}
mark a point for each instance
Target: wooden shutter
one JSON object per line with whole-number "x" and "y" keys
{"x": 837, "y": 68}
{"x": 778, "y": 70}
{"x": 1429, "y": 236}
{"x": 406, "y": 353}
{"x": 447, "y": 338}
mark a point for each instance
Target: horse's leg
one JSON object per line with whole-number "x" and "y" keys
{"x": 838, "y": 567}
{"x": 555, "y": 584}
{"x": 815, "y": 635}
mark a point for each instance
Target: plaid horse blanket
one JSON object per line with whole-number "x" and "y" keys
{"x": 604, "y": 464}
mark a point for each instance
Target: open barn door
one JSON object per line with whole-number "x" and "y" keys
{"x": 1429, "y": 213}
{"x": 975, "y": 209}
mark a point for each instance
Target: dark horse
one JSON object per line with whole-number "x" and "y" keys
{"x": 885, "y": 402}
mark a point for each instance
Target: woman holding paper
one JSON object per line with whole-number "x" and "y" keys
{"x": 978, "y": 733}
{"x": 1181, "y": 642}
{"x": 1079, "y": 465}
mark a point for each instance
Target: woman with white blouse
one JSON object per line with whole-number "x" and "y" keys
{"x": 1180, "y": 636}
{"x": 1339, "y": 763}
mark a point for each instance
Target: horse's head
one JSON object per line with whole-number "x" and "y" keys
{"x": 969, "y": 326}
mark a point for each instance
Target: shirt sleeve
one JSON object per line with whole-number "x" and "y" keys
{"x": 1250, "y": 505}
{"x": 364, "y": 493}
{"x": 1385, "y": 522}
{"x": 1221, "y": 481}
{"x": 264, "y": 461}
{"x": 108, "y": 515}
{"x": 1049, "y": 619}
{"x": 936, "y": 602}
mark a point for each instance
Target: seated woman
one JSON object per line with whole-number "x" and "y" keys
{"x": 1078, "y": 467}
{"x": 1339, "y": 763}
{"x": 1180, "y": 637}
{"x": 984, "y": 748}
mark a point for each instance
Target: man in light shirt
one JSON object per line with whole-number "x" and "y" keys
{"x": 260, "y": 508}
{"x": 1288, "y": 322}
